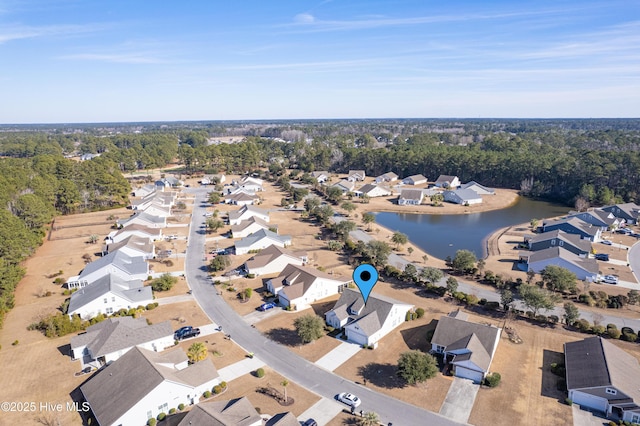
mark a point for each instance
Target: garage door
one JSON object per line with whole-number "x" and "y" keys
{"x": 465, "y": 373}
{"x": 356, "y": 337}
{"x": 590, "y": 401}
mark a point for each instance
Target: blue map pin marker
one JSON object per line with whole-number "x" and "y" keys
{"x": 366, "y": 277}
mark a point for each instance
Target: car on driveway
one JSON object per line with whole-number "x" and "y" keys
{"x": 602, "y": 256}
{"x": 267, "y": 306}
{"x": 182, "y": 330}
{"x": 310, "y": 422}
{"x": 194, "y": 332}
{"x": 349, "y": 399}
{"x": 606, "y": 242}
{"x": 610, "y": 279}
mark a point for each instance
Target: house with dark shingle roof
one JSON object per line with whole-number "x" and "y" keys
{"x": 467, "y": 347}
{"x": 108, "y": 340}
{"x": 558, "y": 238}
{"x": 283, "y": 419}
{"x": 366, "y": 324}
{"x": 584, "y": 268}
{"x": 574, "y": 225}
{"x": 107, "y": 295}
{"x": 601, "y": 376}
{"x": 234, "y": 412}
{"x": 410, "y": 197}
{"x": 300, "y": 286}
{"x": 142, "y": 384}
{"x": 273, "y": 260}
{"x": 598, "y": 217}
{"x": 630, "y": 212}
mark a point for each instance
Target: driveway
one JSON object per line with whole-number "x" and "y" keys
{"x": 586, "y": 418}
{"x": 460, "y": 399}
{"x": 322, "y": 411}
{"x": 257, "y": 316}
{"x": 338, "y": 356}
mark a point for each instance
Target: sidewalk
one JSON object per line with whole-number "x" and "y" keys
{"x": 174, "y": 299}
{"x": 338, "y": 356}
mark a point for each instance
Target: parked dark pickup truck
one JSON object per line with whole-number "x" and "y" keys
{"x": 194, "y": 332}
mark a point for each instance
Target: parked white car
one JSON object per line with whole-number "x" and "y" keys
{"x": 610, "y": 279}
{"x": 349, "y": 399}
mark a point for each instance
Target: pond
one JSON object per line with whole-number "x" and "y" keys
{"x": 442, "y": 235}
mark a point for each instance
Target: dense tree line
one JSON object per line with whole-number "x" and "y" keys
{"x": 32, "y": 191}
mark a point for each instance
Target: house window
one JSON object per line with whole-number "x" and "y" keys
{"x": 561, "y": 243}
{"x": 109, "y": 311}
{"x": 439, "y": 349}
{"x": 611, "y": 391}
{"x": 635, "y": 418}
{"x": 163, "y": 408}
{"x": 113, "y": 298}
{"x": 553, "y": 242}
{"x": 105, "y": 300}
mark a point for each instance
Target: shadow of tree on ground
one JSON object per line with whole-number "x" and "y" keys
{"x": 284, "y": 336}
{"x": 381, "y": 375}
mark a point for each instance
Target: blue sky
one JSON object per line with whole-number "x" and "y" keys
{"x": 96, "y": 61}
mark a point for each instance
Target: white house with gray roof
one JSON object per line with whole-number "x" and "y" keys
{"x": 118, "y": 262}
{"x": 142, "y": 384}
{"x": 321, "y": 176}
{"x": 249, "y": 226}
{"x": 245, "y": 212}
{"x": 273, "y": 260}
{"x": 415, "y": 180}
{"x": 300, "y": 286}
{"x": 468, "y": 347}
{"x": 260, "y": 240}
{"x": 153, "y": 234}
{"x": 462, "y": 196}
{"x": 345, "y": 185}
{"x": 585, "y": 268}
{"x": 478, "y": 189}
{"x": 133, "y": 245}
{"x": 366, "y": 324}
{"x": 603, "y": 377}
{"x": 107, "y": 295}
{"x": 356, "y": 175}
{"x": 108, "y": 340}
{"x": 387, "y": 177}
{"x": 446, "y": 181}
{"x": 145, "y": 219}
{"x": 373, "y": 191}
{"x": 144, "y": 190}
{"x": 234, "y": 412}
{"x": 410, "y": 197}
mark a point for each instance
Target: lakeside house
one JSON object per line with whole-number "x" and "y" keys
{"x": 477, "y": 188}
{"x": 372, "y": 191}
{"x": 447, "y": 182}
{"x": 585, "y": 268}
{"x": 574, "y": 225}
{"x": 558, "y": 238}
{"x": 410, "y": 197}
{"x": 466, "y": 197}
{"x": 630, "y": 212}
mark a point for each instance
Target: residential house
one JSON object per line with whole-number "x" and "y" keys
{"x": 108, "y": 340}
{"x": 142, "y": 384}
{"x": 366, "y": 324}
{"x": 235, "y": 412}
{"x": 596, "y": 217}
{"x": 88, "y": 156}
{"x": 345, "y": 185}
{"x": 415, "y": 180}
{"x": 574, "y": 225}
{"x": 601, "y": 376}
{"x": 283, "y": 419}
{"x": 584, "y": 268}
{"x": 153, "y": 234}
{"x": 118, "y": 263}
{"x": 143, "y": 218}
{"x": 168, "y": 183}
{"x": 158, "y": 210}
{"x": 465, "y": 197}
{"x": 558, "y": 238}
{"x": 468, "y": 347}
{"x": 477, "y": 188}
{"x": 249, "y": 226}
{"x": 387, "y": 177}
{"x": 250, "y": 184}
{"x": 107, "y": 295}
{"x": 245, "y": 212}
{"x": 133, "y": 246}
{"x": 273, "y": 260}
{"x": 630, "y": 212}
{"x": 241, "y": 198}
{"x": 356, "y": 175}
{"x": 412, "y": 197}
{"x": 165, "y": 199}
{"x": 448, "y": 182}
{"x": 143, "y": 191}
{"x": 299, "y": 286}
{"x": 372, "y": 191}
{"x": 260, "y": 240}
{"x": 321, "y": 176}
{"x": 218, "y": 178}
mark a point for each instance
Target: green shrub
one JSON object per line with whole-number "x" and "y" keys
{"x": 568, "y": 401}
{"x": 471, "y": 299}
{"x": 493, "y": 380}
{"x": 206, "y": 394}
{"x": 260, "y": 373}
{"x": 15, "y": 343}
{"x": 553, "y": 319}
{"x": 181, "y": 407}
{"x": 614, "y": 333}
{"x": 407, "y": 316}
{"x": 59, "y": 281}
{"x": 250, "y": 276}
{"x": 164, "y": 282}
{"x": 420, "y": 312}
{"x": 583, "y": 325}
{"x": 223, "y": 385}
{"x": 161, "y": 417}
{"x": 151, "y": 422}
{"x": 172, "y": 411}
{"x": 150, "y": 307}
{"x": 217, "y": 389}
{"x": 598, "y": 330}
{"x": 629, "y": 337}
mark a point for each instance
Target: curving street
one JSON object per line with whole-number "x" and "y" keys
{"x": 277, "y": 357}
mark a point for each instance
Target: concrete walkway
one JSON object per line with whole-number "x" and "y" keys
{"x": 338, "y": 356}
{"x": 322, "y": 411}
{"x": 459, "y": 400}
{"x": 239, "y": 369}
{"x": 586, "y": 418}
{"x": 257, "y": 316}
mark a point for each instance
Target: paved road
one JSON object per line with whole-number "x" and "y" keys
{"x": 633, "y": 255}
{"x": 278, "y": 357}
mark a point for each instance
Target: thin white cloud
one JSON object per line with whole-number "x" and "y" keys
{"x": 120, "y": 58}
{"x": 304, "y": 18}
{"x": 21, "y": 32}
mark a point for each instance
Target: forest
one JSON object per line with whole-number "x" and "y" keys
{"x": 577, "y": 162}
